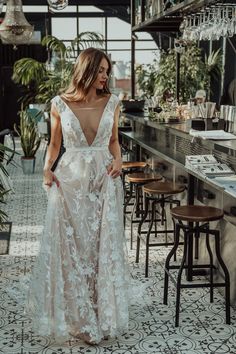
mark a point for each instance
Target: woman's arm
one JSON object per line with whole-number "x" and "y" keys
{"x": 114, "y": 147}
{"x": 53, "y": 148}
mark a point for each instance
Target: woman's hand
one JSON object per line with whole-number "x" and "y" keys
{"x": 115, "y": 169}
{"x": 49, "y": 178}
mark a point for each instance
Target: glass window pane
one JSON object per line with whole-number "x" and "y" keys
{"x": 64, "y": 28}
{"x": 89, "y": 9}
{"x": 120, "y": 80}
{"x": 96, "y": 24}
{"x": 145, "y": 57}
{"x": 118, "y": 45}
{"x": 120, "y": 55}
{"x": 143, "y": 35}
{"x": 145, "y": 45}
{"x": 35, "y": 8}
{"x": 118, "y": 29}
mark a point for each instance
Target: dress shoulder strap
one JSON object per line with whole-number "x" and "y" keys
{"x": 114, "y": 101}
{"x": 59, "y": 104}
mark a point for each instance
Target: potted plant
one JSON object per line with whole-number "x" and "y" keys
{"x": 29, "y": 138}
{"x": 5, "y": 226}
{"x": 43, "y": 81}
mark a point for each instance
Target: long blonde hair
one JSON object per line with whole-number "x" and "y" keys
{"x": 85, "y": 73}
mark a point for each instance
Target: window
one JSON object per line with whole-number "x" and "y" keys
{"x": 118, "y": 45}
{"x": 89, "y": 9}
{"x": 35, "y": 8}
{"x": 92, "y": 24}
{"x": 118, "y": 29}
{"x": 120, "y": 55}
{"x": 60, "y": 24}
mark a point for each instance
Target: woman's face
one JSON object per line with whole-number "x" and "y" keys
{"x": 102, "y": 77}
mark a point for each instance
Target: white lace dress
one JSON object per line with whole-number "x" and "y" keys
{"x": 80, "y": 279}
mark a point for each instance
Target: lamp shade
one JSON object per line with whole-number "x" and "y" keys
{"x": 57, "y": 4}
{"x": 15, "y": 29}
{"x": 1, "y": 5}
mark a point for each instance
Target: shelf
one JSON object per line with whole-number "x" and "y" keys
{"x": 169, "y": 20}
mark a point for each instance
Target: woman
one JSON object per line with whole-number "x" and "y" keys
{"x": 80, "y": 280}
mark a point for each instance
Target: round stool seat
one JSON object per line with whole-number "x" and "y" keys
{"x": 133, "y": 164}
{"x": 163, "y": 188}
{"x": 141, "y": 177}
{"x": 197, "y": 213}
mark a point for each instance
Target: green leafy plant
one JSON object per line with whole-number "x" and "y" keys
{"x": 43, "y": 81}
{"x": 195, "y": 73}
{"x": 146, "y": 78}
{"x": 213, "y": 64}
{"x": 28, "y": 134}
{"x": 3, "y": 191}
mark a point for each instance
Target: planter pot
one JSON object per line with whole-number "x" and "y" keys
{"x": 39, "y": 106}
{"x": 5, "y": 234}
{"x": 28, "y": 165}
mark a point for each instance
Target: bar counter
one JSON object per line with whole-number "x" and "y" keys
{"x": 165, "y": 146}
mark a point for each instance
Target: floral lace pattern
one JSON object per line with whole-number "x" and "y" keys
{"x": 80, "y": 279}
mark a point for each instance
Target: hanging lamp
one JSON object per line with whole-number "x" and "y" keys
{"x": 15, "y": 29}
{"x": 1, "y": 5}
{"x": 57, "y": 4}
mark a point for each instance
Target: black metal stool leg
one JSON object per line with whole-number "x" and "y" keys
{"x": 197, "y": 236}
{"x": 167, "y": 263}
{"x": 148, "y": 238}
{"x": 178, "y": 288}
{"x": 211, "y": 264}
{"x": 132, "y": 216}
{"x": 174, "y": 228}
{"x": 140, "y": 227}
{"x": 126, "y": 203}
{"x": 226, "y": 274}
{"x": 164, "y": 218}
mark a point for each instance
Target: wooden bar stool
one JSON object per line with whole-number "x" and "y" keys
{"x": 157, "y": 194}
{"x": 131, "y": 166}
{"x": 127, "y": 168}
{"x": 137, "y": 180}
{"x": 194, "y": 215}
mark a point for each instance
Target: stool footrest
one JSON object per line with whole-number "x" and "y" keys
{"x": 161, "y": 244}
{"x": 202, "y": 285}
{"x": 201, "y": 266}
{"x": 157, "y": 232}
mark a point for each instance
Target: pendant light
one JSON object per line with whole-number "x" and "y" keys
{"x": 15, "y": 29}
{"x": 1, "y": 5}
{"x": 57, "y": 4}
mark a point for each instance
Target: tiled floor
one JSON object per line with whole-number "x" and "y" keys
{"x": 202, "y": 325}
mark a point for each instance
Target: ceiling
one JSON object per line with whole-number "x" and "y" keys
{"x": 119, "y": 8}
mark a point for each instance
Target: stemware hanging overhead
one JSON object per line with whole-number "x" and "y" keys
{"x": 57, "y": 4}
{"x": 15, "y": 29}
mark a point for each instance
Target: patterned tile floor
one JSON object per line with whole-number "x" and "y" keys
{"x": 202, "y": 325}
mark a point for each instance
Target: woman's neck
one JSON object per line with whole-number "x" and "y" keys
{"x": 91, "y": 96}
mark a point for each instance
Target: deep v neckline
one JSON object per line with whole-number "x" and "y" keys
{"x": 80, "y": 126}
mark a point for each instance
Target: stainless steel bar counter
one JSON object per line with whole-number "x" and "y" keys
{"x": 165, "y": 146}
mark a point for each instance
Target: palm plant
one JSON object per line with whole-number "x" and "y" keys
{"x": 213, "y": 64}
{"x": 43, "y": 80}
{"x": 3, "y": 172}
{"x": 28, "y": 133}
